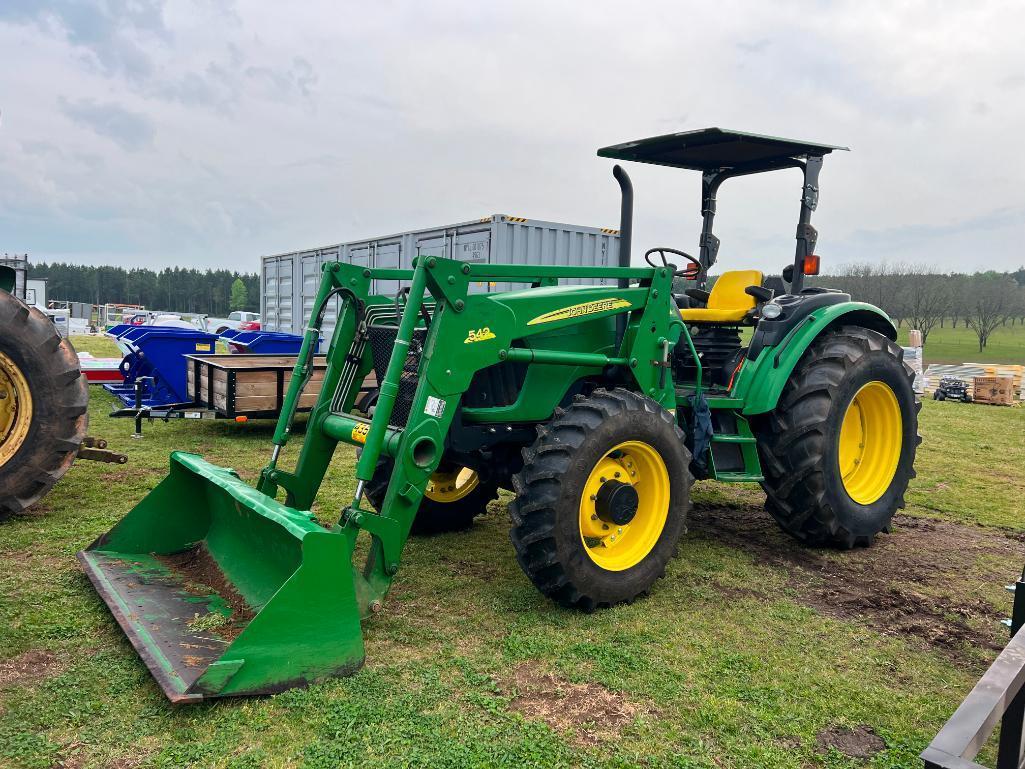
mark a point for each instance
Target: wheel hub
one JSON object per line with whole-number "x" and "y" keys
{"x": 451, "y": 485}
{"x": 624, "y": 505}
{"x": 616, "y": 502}
{"x": 15, "y": 408}
{"x": 870, "y": 442}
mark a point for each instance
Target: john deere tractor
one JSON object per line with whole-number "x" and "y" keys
{"x": 596, "y": 405}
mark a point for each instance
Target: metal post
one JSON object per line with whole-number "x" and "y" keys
{"x": 806, "y": 234}
{"x": 1011, "y": 725}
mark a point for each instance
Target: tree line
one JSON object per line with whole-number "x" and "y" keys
{"x": 175, "y": 289}
{"x": 921, "y": 298}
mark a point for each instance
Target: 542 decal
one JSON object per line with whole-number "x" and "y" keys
{"x": 478, "y": 335}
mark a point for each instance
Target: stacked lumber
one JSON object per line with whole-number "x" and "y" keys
{"x": 972, "y": 371}
{"x": 936, "y": 371}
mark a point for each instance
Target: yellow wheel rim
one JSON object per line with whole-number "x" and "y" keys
{"x": 870, "y": 442}
{"x": 451, "y": 486}
{"x": 15, "y": 409}
{"x": 618, "y": 547}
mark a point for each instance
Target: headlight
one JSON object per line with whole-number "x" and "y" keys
{"x": 771, "y": 310}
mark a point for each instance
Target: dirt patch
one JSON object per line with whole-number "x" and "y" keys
{"x": 472, "y": 569}
{"x": 29, "y": 667}
{"x": 860, "y": 742}
{"x": 917, "y": 581}
{"x": 591, "y": 711}
{"x": 202, "y": 576}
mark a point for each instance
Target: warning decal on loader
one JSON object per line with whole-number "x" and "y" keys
{"x": 359, "y": 433}
{"x": 576, "y": 310}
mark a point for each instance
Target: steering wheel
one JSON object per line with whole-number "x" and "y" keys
{"x": 663, "y": 250}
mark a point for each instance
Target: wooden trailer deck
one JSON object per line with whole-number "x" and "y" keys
{"x": 252, "y": 386}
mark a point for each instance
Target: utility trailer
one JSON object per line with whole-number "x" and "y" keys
{"x": 238, "y": 387}
{"x": 250, "y": 386}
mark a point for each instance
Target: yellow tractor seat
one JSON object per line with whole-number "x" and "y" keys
{"x": 727, "y": 303}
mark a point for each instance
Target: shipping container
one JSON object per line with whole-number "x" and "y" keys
{"x": 289, "y": 281}
{"x": 20, "y": 266}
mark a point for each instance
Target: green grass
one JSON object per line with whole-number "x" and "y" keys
{"x": 961, "y": 345}
{"x": 726, "y": 663}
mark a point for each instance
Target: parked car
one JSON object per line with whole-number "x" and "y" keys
{"x": 174, "y": 320}
{"x": 234, "y": 320}
{"x": 250, "y": 325}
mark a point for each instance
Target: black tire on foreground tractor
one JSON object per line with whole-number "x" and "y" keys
{"x": 839, "y": 450}
{"x": 454, "y": 497}
{"x": 602, "y": 500}
{"x": 43, "y": 405}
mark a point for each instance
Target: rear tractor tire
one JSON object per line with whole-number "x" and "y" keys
{"x": 602, "y": 500}
{"x": 454, "y": 497}
{"x": 43, "y": 405}
{"x": 839, "y": 450}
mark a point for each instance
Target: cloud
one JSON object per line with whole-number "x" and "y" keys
{"x": 109, "y": 33}
{"x": 291, "y": 125}
{"x": 129, "y": 130}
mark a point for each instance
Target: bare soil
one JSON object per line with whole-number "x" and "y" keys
{"x": 29, "y": 667}
{"x": 203, "y": 576}
{"x": 916, "y": 581}
{"x": 860, "y": 742}
{"x": 589, "y": 710}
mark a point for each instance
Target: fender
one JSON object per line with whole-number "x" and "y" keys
{"x": 761, "y": 381}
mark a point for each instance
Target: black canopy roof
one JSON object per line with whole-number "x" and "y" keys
{"x": 712, "y": 149}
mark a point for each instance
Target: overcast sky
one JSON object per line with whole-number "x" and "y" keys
{"x": 207, "y": 133}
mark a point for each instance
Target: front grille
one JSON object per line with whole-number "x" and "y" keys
{"x": 382, "y": 342}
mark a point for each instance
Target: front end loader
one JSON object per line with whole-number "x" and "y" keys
{"x": 597, "y": 405}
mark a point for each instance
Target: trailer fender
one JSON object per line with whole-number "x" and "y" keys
{"x": 761, "y": 381}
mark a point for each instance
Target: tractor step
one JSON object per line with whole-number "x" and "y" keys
{"x": 738, "y": 477}
{"x": 734, "y": 439}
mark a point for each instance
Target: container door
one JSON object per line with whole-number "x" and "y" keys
{"x": 277, "y": 293}
{"x": 474, "y": 247}
{"x": 387, "y": 256}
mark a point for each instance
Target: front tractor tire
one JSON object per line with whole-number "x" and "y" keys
{"x": 839, "y": 450}
{"x": 602, "y": 500}
{"x": 43, "y": 405}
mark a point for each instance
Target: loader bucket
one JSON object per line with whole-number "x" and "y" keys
{"x": 224, "y": 591}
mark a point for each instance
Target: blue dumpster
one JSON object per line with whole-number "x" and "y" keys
{"x": 264, "y": 342}
{"x": 157, "y": 353}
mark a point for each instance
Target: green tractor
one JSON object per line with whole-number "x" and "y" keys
{"x": 596, "y": 405}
